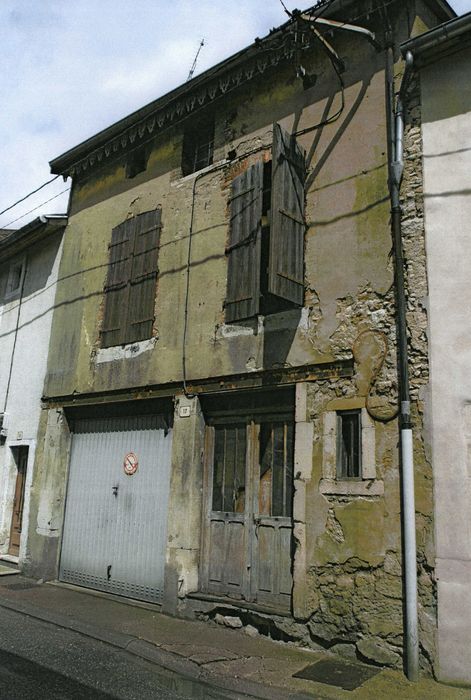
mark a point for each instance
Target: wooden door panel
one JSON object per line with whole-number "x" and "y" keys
{"x": 272, "y": 567}
{"x": 227, "y": 558}
{"x": 18, "y": 503}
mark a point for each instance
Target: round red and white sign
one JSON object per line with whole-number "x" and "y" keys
{"x": 130, "y": 464}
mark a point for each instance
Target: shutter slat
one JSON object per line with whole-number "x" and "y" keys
{"x": 286, "y": 256}
{"x": 244, "y": 249}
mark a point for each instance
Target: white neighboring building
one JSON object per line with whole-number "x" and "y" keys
{"x": 29, "y": 263}
{"x": 442, "y": 58}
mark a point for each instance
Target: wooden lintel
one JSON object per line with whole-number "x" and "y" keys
{"x": 252, "y": 380}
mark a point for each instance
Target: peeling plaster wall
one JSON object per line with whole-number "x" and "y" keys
{"x": 347, "y": 166}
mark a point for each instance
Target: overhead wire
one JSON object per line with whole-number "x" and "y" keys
{"x": 29, "y": 194}
{"x": 37, "y": 207}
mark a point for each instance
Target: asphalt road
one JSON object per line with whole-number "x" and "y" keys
{"x": 39, "y": 661}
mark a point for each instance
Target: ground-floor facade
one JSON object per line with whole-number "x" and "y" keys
{"x": 278, "y": 505}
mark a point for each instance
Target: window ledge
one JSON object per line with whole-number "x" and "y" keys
{"x": 350, "y": 487}
{"x": 186, "y": 178}
{"x": 124, "y": 352}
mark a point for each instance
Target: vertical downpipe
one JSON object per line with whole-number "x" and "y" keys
{"x": 396, "y": 166}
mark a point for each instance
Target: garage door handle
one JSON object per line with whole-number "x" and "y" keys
{"x": 115, "y": 490}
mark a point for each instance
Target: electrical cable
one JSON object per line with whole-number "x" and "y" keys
{"x": 29, "y": 195}
{"x": 38, "y": 207}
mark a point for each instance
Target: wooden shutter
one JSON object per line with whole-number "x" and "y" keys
{"x": 243, "y": 281}
{"x": 287, "y": 227}
{"x": 143, "y": 277}
{"x": 117, "y": 284}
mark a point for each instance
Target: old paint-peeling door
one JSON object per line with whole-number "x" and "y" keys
{"x": 272, "y": 514}
{"x": 21, "y": 458}
{"x": 228, "y": 522}
{"x": 247, "y": 549}
{"x": 115, "y": 525}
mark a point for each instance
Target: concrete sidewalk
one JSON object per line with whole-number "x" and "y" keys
{"x": 229, "y": 659}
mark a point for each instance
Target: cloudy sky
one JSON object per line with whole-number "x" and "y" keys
{"x": 69, "y": 69}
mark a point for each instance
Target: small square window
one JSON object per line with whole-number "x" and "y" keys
{"x": 349, "y": 444}
{"x": 198, "y": 146}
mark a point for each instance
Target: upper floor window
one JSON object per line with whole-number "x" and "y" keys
{"x": 130, "y": 286}
{"x": 198, "y": 145}
{"x": 136, "y": 161}
{"x": 15, "y": 278}
{"x": 266, "y": 240}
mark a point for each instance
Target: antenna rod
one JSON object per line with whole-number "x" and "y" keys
{"x": 192, "y": 69}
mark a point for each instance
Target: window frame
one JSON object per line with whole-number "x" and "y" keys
{"x": 331, "y": 483}
{"x": 354, "y": 453}
{"x": 195, "y": 137}
{"x": 10, "y": 293}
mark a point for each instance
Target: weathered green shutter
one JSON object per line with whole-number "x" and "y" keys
{"x": 143, "y": 277}
{"x": 287, "y": 227}
{"x": 117, "y": 284}
{"x": 243, "y": 281}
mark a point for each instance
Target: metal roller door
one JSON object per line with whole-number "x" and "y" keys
{"x": 115, "y": 526}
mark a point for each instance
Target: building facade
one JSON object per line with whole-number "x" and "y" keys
{"x": 28, "y": 277}
{"x": 220, "y": 414}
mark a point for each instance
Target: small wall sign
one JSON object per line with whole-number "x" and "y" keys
{"x": 130, "y": 464}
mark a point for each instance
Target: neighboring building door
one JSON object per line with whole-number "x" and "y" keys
{"x": 248, "y": 538}
{"x": 21, "y": 459}
{"x": 115, "y": 526}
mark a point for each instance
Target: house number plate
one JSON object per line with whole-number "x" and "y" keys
{"x": 130, "y": 464}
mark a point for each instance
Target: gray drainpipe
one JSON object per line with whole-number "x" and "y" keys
{"x": 396, "y": 167}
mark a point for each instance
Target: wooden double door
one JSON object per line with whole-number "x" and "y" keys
{"x": 247, "y": 550}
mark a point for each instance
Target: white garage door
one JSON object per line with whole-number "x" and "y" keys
{"x": 115, "y": 526}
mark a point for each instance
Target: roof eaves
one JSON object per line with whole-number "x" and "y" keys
{"x": 185, "y": 99}
{"x": 33, "y": 231}
{"x": 438, "y": 38}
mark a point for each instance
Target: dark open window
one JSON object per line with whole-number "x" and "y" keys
{"x": 136, "y": 161}
{"x": 266, "y": 242}
{"x": 198, "y": 145}
{"x": 348, "y": 444}
{"x": 131, "y": 281}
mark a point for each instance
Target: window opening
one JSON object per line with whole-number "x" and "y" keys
{"x": 15, "y": 276}
{"x": 198, "y": 146}
{"x": 349, "y": 444}
{"x": 137, "y": 161}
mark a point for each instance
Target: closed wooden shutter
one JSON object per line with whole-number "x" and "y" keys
{"x": 143, "y": 278}
{"x": 287, "y": 227}
{"x": 117, "y": 284}
{"x": 243, "y": 283}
